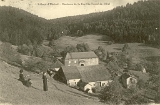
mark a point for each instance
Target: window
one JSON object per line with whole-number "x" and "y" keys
{"x": 82, "y": 64}
{"x": 69, "y": 61}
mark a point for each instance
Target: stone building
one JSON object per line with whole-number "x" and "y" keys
{"x": 81, "y": 59}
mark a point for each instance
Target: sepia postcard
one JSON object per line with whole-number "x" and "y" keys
{"x": 79, "y": 52}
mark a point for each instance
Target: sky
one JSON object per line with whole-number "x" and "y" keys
{"x": 51, "y": 9}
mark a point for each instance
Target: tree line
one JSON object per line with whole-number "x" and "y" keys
{"x": 136, "y": 22}
{"x": 20, "y": 27}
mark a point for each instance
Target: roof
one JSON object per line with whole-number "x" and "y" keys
{"x": 94, "y": 73}
{"x": 140, "y": 75}
{"x": 125, "y": 76}
{"x": 80, "y": 55}
{"x": 57, "y": 64}
{"x": 71, "y": 72}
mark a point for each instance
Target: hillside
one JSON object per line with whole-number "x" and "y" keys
{"x": 20, "y": 27}
{"x": 130, "y": 23}
{"x": 13, "y": 92}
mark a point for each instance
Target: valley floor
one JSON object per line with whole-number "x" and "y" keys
{"x": 94, "y": 41}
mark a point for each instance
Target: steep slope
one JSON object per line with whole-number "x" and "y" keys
{"x": 18, "y": 26}
{"x": 13, "y": 92}
{"x": 130, "y": 23}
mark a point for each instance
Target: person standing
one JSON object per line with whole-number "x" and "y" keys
{"x": 45, "y": 87}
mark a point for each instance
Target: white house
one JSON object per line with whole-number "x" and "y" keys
{"x": 131, "y": 82}
{"x": 73, "y": 82}
{"x": 88, "y": 88}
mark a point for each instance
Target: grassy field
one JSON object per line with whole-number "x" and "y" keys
{"x": 140, "y": 50}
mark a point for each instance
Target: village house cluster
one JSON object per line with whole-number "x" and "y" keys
{"x": 83, "y": 67}
{"x": 82, "y": 70}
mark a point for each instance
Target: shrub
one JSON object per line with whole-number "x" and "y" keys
{"x": 112, "y": 93}
{"x": 116, "y": 94}
{"x": 157, "y": 100}
{"x": 26, "y": 49}
{"x": 29, "y": 62}
{"x": 10, "y": 55}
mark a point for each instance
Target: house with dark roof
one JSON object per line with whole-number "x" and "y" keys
{"x": 94, "y": 76}
{"x": 68, "y": 75}
{"x": 81, "y": 59}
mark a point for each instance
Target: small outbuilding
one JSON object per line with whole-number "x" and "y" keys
{"x": 129, "y": 80}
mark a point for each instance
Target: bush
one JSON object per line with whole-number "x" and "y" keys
{"x": 157, "y": 100}
{"x": 10, "y": 55}
{"x": 100, "y": 52}
{"x": 83, "y": 47}
{"x": 116, "y": 94}
{"x": 28, "y": 62}
{"x": 112, "y": 93}
{"x": 26, "y": 50}
{"x": 35, "y": 64}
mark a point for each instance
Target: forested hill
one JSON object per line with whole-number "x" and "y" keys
{"x": 136, "y": 22}
{"x": 130, "y": 23}
{"x": 18, "y": 27}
